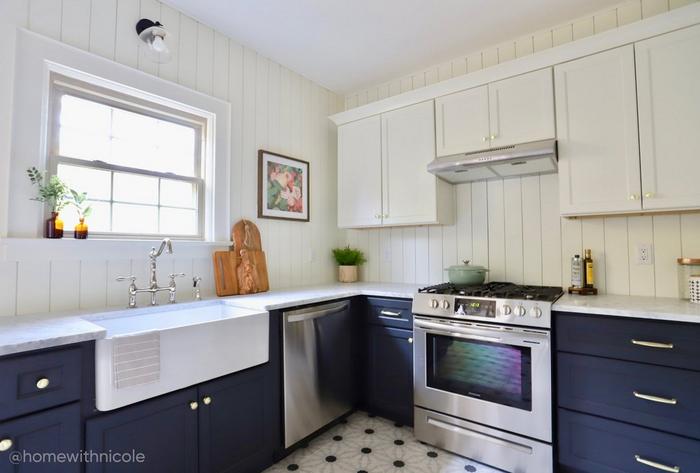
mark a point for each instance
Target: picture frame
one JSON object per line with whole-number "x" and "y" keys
{"x": 283, "y": 187}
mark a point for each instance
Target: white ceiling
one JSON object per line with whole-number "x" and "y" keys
{"x": 346, "y": 45}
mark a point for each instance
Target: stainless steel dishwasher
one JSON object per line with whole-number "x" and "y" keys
{"x": 319, "y": 380}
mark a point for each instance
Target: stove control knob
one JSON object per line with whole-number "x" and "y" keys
{"x": 536, "y": 312}
{"x": 434, "y": 304}
{"x": 520, "y": 311}
{"x": 445, "y": 304}
{"x": 507, "y": 310}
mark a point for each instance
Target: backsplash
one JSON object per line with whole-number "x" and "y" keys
{"x": 272, "y": 108}
{"x": 513, "y": 227}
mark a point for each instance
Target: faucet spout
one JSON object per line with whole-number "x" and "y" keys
{"x": 166, "y": 244}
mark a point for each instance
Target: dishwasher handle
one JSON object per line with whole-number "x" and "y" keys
{"x": 315, "y": 313}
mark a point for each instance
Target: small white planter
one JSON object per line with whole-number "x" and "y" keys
{"x": 347, "y": 273}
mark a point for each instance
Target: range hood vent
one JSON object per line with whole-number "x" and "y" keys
{"x": 537, "y": 157}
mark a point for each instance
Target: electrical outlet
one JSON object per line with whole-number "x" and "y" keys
{"x": 645, "y": 254}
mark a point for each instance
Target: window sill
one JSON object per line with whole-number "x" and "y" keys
{"x": 68, "y": 248}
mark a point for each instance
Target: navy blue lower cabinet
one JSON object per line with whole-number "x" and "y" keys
{"x": 652, "y": 396}
{"x": 163, "y": 429}
{"x": 589, "y": 444}
{"x": 33, "y": 438}
{"x": 390, "y": 373}
{"x": 238, "y": 423}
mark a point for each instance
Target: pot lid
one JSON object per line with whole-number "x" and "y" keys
{"x": 466, "y": 266}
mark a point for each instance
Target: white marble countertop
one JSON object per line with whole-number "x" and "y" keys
{"x": 283, "y": 298}
{"x": 655, "y": 308}
{"x": 33, "y": 332}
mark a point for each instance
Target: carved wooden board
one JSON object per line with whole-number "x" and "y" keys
{"x": 225, "y": 273}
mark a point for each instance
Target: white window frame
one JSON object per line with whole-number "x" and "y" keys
{"x": 32, "y": 60}
{"x": 61, "y": 85}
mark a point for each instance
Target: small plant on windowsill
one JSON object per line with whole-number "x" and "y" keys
{"x": 348, "y": 260}
{"x": 79, "y": 201}
{"x": 53, "y": 192}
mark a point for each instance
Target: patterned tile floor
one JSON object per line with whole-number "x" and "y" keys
{"x": 367, "y": 444}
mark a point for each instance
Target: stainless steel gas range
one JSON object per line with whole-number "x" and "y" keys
{"x": 483, "y": 372}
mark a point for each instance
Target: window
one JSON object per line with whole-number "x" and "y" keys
{"x": 139, "y": 162}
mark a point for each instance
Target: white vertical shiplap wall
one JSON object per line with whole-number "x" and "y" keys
{"x": 625, "y": 13}
{"x": 272, "y": 108}
{"x": 513, "y": 227}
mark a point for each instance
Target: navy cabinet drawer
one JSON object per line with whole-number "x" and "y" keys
{"x": 660, "y": 343}
{"x": 390, "y": 312}
{"x": 34, "y": 382}
{"x": 589, "y": 444}
{"x": 652, "y": 396}
{"x": 51, "y": 432}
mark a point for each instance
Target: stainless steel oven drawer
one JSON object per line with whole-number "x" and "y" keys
{"x": 483, "y": 444}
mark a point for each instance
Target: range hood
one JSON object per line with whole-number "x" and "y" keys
{"x": 537, "y": 157}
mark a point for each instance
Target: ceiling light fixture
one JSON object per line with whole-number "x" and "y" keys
{"x": 152, "y": 34}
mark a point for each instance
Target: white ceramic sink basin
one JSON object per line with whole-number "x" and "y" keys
{"x": 153, "y": 351}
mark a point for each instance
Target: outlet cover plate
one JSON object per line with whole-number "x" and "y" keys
{"x": 645, "y": 254}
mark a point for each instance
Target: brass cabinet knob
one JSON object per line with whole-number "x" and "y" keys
{"x": 194, "y": 405}
{"x": 485, "y": 138}
{"x": 633, "y": 197}
{"x": 206, "y": 400}
{"x": 649, "y": 195}
{"x": 410, "y": 339}
{"x": 42, "y": 383}
{"x": 5, "y": 445}
{"x": 493, "y": 137}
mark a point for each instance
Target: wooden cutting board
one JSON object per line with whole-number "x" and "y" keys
{"x": 251, "y": 271}
{"x": 225, "y": 277}
{"x": 245, "y": 234}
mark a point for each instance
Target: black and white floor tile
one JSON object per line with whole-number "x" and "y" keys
{"x": 368, "y": 444}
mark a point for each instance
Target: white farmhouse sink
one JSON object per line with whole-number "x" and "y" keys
{"x": 153, "y": 351}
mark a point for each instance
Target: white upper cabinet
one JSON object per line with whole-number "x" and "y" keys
{"x": 360, "y": 173}
{"x": 522, "y": 109}
{"x": 409, "y": 190}
{"x": 596, "y": 121}
{"x": 668, "y": 83}
{"x": 511, "y": 111}
{"x": 382, "y": 171}
{"x": 462, "y": 121}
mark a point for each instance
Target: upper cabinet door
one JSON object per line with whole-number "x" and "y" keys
{"x": 597, "y": 134}
{"x": 360, "y": 173}
{"x": 522, "y": 109}
{"x": 668, "y": 81}
{"x": 462, "y": 121}
{"x": 409, "y": 190}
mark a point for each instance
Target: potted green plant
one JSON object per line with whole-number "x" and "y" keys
{"x": 348, "y": 260}
{"x": 79, "y": 201}
{"x": 54, "y": 193}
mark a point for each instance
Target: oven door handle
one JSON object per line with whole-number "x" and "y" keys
{"x": 480, "y": 334}
{"x": 454, "y": 330}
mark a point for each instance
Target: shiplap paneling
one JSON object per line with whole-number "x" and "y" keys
{"x": 271, "y": 107}
{"x": 625, "y": 13}
{"x": 513, "y": 227}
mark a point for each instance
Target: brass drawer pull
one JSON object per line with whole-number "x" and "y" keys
{"x": 194, "y": 405}
{"x": 42, "y": 383}
{"x": 389, "y": 313}
{"x": 644, "y": 343}
{"x": 658, "y": 466}
{"x": 649, "y": 397}
{"x": 206, "y": 400}
{"x": 5, "y": 445}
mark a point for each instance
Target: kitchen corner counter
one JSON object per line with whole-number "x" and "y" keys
{"x": 34, "y": 332}
{"x": 654, "y": 308}
{"x": 291, "y": 297}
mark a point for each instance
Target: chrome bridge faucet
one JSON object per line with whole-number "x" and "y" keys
{"x": 153, "y": 288}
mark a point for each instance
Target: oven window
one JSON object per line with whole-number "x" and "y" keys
{"x": 489, "y": 371}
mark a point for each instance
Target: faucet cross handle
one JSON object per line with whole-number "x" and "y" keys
{"x": 126, "y": 278}
{"x": 172, "y": 276}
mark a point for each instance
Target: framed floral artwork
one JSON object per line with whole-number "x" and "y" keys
{"x": 283, "y": 187}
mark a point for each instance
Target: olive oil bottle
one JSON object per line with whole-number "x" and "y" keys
{"x": 588, "y": 269}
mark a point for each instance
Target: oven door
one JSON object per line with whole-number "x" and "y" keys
{"x": 494, "y": 375}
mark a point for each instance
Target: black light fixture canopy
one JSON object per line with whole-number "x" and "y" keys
{"x": 144, "y": 23}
